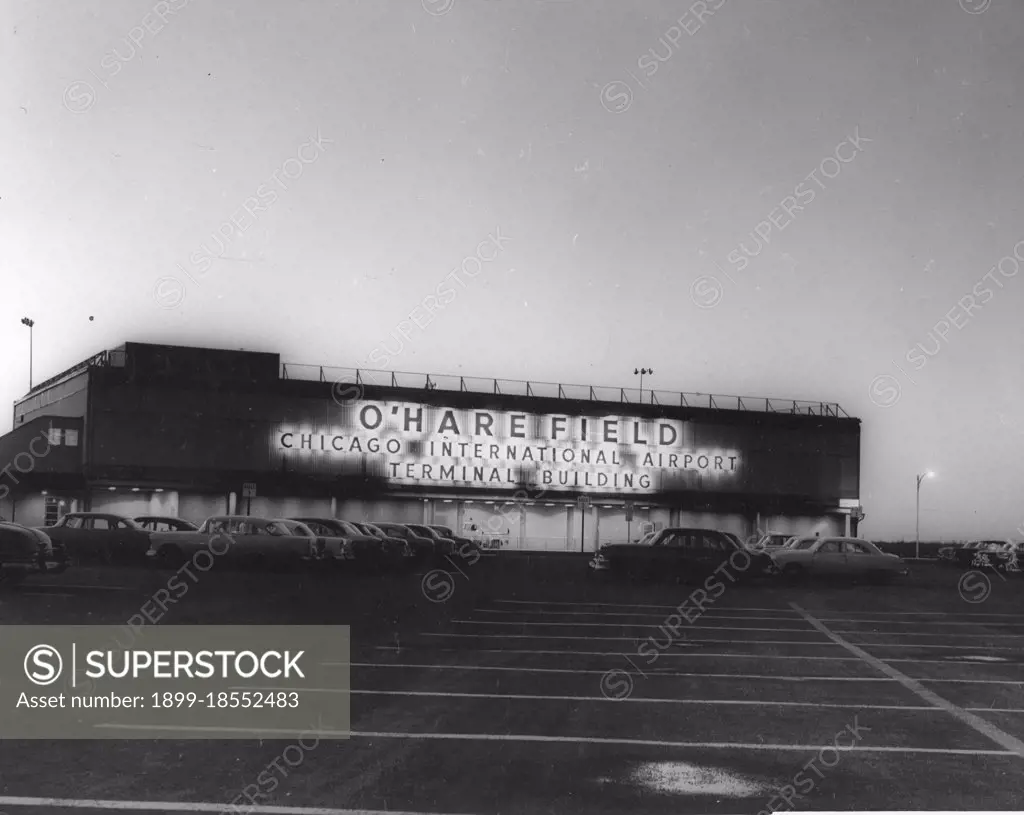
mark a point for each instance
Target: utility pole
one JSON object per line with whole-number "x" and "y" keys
{"x": 29, "y": 323}
{"x": 641, "y": 372}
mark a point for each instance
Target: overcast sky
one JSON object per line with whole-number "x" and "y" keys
{"x": 784, "y": 198}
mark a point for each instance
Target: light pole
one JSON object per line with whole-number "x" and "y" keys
{"x": 917, "y": 535}
{"x": 643, "y": 371}
{"x": 29, "y": 323}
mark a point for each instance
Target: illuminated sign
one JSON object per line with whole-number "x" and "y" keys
{"x": 410, "y": 443}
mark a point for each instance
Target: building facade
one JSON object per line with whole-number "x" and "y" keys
{"x": 192, "y": 432}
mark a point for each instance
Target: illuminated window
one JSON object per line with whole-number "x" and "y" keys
{"x": 71, "y": 438}
{"x": 53, "y": 436}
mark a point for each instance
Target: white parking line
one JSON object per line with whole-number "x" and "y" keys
{"x": 570, "y": 624}
{"x": 653, "y": 673}
{"x": 709, "y": 616}
{"x": 688, "y": 654}
{"x": 81, "y": 586}
{"x": 657, "y": 673}
{"x": 932, "y": 646}
{"x": 785, "y": 611}
{"x": 187, "y": 806}
{"x": 622, "y": 639}
{"x": 540, "y": 697}
{"x": 796, "y": 630}
{"x": 850, "y": 614}
{"x": 523, "y": 737}
{"x": 987, "y": 729}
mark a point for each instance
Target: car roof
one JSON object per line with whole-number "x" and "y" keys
{"x": 160, "y": 518}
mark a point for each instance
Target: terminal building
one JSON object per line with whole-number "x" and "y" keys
{"x": 192, "y": 432}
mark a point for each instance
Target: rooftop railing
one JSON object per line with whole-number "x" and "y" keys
{"x": 593, "y": 393}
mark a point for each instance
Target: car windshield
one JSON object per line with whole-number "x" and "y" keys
{"x": 424, "y": 531}
{"x": 444, "y": 530}
{"x": 290, "y": 528}
{"x": 804, "y": 544}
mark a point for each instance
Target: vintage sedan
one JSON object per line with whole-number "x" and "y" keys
{"x": 366, "y": 549}
{"x": 1003, "y": 556}
{"x": 949, "y": 554}
{"x": 837, "y": 557}
{"x": 979, "y": 554}
{"x": 165, "y": 523}
{"x": 423, "y": 547}
{"x": 25, "y": 551}
{"x": 394, "y": 542}
{"x": 99, "y": 537}
{"x": 444, "y": 546}
{"x": 464, "y": 547}
{"x": 240, "y": 538}
{"x": 683, "y": 554}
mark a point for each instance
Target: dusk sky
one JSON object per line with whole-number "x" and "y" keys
{"x": 785, "y": 198}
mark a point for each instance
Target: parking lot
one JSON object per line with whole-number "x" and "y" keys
{"x": 520, "y": 685}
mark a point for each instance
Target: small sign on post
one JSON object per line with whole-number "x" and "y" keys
{"x": 248, "y": 493}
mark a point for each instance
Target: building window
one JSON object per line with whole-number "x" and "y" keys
{"x": 54, "y": 436}
{"x": 71, "y": 438}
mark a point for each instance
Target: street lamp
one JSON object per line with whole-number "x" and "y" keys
{"x": 917, "y": 536}
{"x": 29, "y": 323}
{"x": 643, "y": 371}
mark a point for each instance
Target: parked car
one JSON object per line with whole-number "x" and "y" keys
{"x": 1009, "y": 559}
{"x": 682, "y": 553}
{"x": 323, "y": 544}
{"x": 994, "y": 554}
{"x": 444, "y": 546}
{"x": 837, "y": 557}
{"x": 948, "y": 554}
{"x": 464, "y": 547}
{"x": 92, "y": 537}
{"x": 163, "y": 523}
{"x": 423, "y": 547}
{"x": 366, "y": 549}
{"x": 239, "y": 538}
{"x": 25, "y": 551}
{"x": 408, "y": 553}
